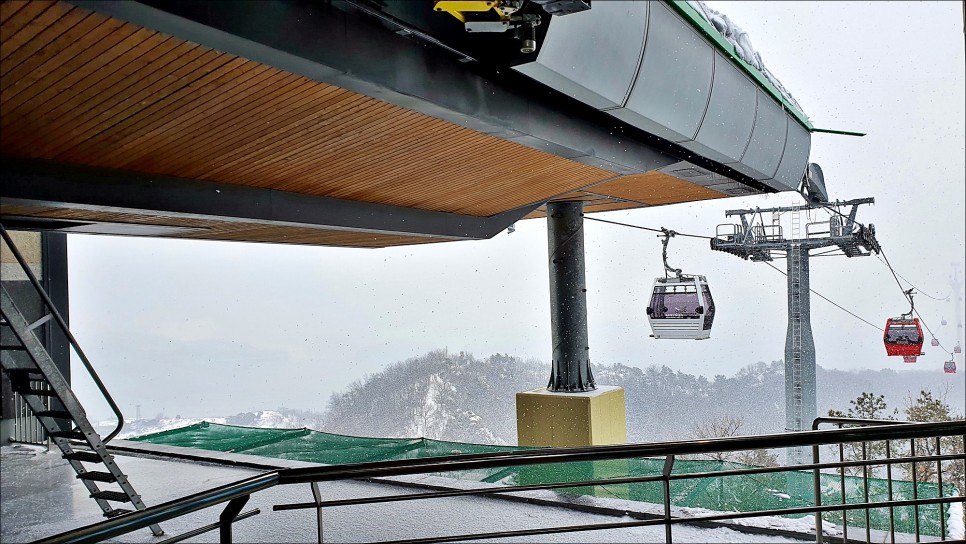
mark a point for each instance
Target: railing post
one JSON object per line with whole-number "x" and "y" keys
{"x": 915, "y": 486}
{"x": 865, "y": 491}
{"x": 892, "y": 509}
{"x": 317, "y": 495}
{"x": 939, "y": 482}
{"x": 818, "y": 495}
{"x": 228, "y": 515}
{"x": 668, "y": 467}
{"x": 845, "y": 513}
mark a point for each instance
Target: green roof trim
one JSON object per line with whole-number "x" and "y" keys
{"x": 842, "y": 132}
{"x": 703, "y": 26}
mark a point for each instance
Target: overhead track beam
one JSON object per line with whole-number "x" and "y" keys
{"x": 32, "y": 182}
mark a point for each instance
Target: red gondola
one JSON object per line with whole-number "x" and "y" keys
{"x": 903, "y": 337}
{"x": 957, "y": 349}
{"x": 949, "y": 367}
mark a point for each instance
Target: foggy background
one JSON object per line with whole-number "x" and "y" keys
{"x": 201, "y": 328}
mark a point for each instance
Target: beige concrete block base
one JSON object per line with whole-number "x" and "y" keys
{"x": 593, "y": 418}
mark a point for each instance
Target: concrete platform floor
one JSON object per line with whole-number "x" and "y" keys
{"x": 40, "y": 496}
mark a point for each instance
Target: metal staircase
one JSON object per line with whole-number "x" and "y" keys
{"x": 35, "y": 377}
{"x": 795, "y": 418}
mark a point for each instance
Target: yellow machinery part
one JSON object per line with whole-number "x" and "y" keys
{"x": 456, "y": 8}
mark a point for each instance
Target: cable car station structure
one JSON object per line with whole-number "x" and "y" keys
{"x": 754, "y": 239}
{"x": 369, "y": 125}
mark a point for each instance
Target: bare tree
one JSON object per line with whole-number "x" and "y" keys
{"x": 727, "y": 426}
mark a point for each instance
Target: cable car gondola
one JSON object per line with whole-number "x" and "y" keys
{"x": 934, "y": 342}
{"x": 903, "y": 335}
{"x": 681, "y": 307}
{"x": 957, "y": 349}
{"x": 949, "y": 367}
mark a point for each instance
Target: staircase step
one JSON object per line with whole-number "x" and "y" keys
{"x": 19, "y": 376}
{"x": 57, "y": 414}
{"x": 86, "y": 456}
{"x": 115, "y": 496}
{"x": 97, "y": 476}
{"x": 73, "y": 434}
{"x": 38, "y": 392}
{"x": 117, "y": 512}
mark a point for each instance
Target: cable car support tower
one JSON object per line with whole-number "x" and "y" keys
{"x": 754, "y": 239}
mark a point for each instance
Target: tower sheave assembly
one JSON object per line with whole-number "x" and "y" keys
{"x": 755, "y": 239}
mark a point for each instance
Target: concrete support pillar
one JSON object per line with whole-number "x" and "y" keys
{"x": 568, "y": 299}
{"x": 571, "y": 410}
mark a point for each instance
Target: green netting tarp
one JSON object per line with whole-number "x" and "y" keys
{"x": 723, "y": 493}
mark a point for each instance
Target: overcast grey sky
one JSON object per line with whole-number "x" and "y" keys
{"x": 209, "y": 328}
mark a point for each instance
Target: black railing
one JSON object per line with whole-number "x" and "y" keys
{"x": 869, "y": 432}
{"x": 887, "y": 460}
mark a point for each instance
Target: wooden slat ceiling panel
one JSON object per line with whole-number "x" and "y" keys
{"x": 82, "y": 88}
{"x": 655, "y": 188}
{"x": 591, "y": 206}
{"x": 227, "y": 230}
{"x": 635, "y": 191}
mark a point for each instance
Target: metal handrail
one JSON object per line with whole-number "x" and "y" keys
{"x": 70, "y": 337}
{"x": 599, "y": 482}
{"x": 887, "y": 431}
{"x": 854, "y": 421}
{"x": 866, "y": 463}
{"x": 165, "y": 511}
{"x": 618, "y": 451}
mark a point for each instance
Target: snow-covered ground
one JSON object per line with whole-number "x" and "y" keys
{"x": 41, "y": 497}
{"x": 276, "y": 419}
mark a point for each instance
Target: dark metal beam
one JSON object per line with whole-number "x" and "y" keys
{"x": 45, "y": 183}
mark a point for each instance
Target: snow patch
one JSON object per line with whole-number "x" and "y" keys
{"x": 954, "y": 524}
{"x": 742, "y": 42}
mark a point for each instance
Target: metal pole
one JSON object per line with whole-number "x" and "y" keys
{"x": 317, "y": 496}
{"x": 568, "y": 299}
{"x": 800, "y": 402}
{"x": 227, "y": 517}
{"x": 668, "y": 467}
{"x": 817, "y": 475}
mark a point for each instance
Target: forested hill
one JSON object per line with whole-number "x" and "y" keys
{"x": 455, "y": 396}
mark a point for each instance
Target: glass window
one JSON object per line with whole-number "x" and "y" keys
{"x": 902, "y": 333}
{"x": 674, "y": 302}
{"x": 708, "y": 307}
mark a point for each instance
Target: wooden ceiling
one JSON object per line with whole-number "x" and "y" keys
{"x": 81, "y": 88}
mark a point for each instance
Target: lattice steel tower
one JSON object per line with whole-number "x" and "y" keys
{"x": 757, "y": 240}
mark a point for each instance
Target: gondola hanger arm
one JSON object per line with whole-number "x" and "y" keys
{"x": 667, "y": 235}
